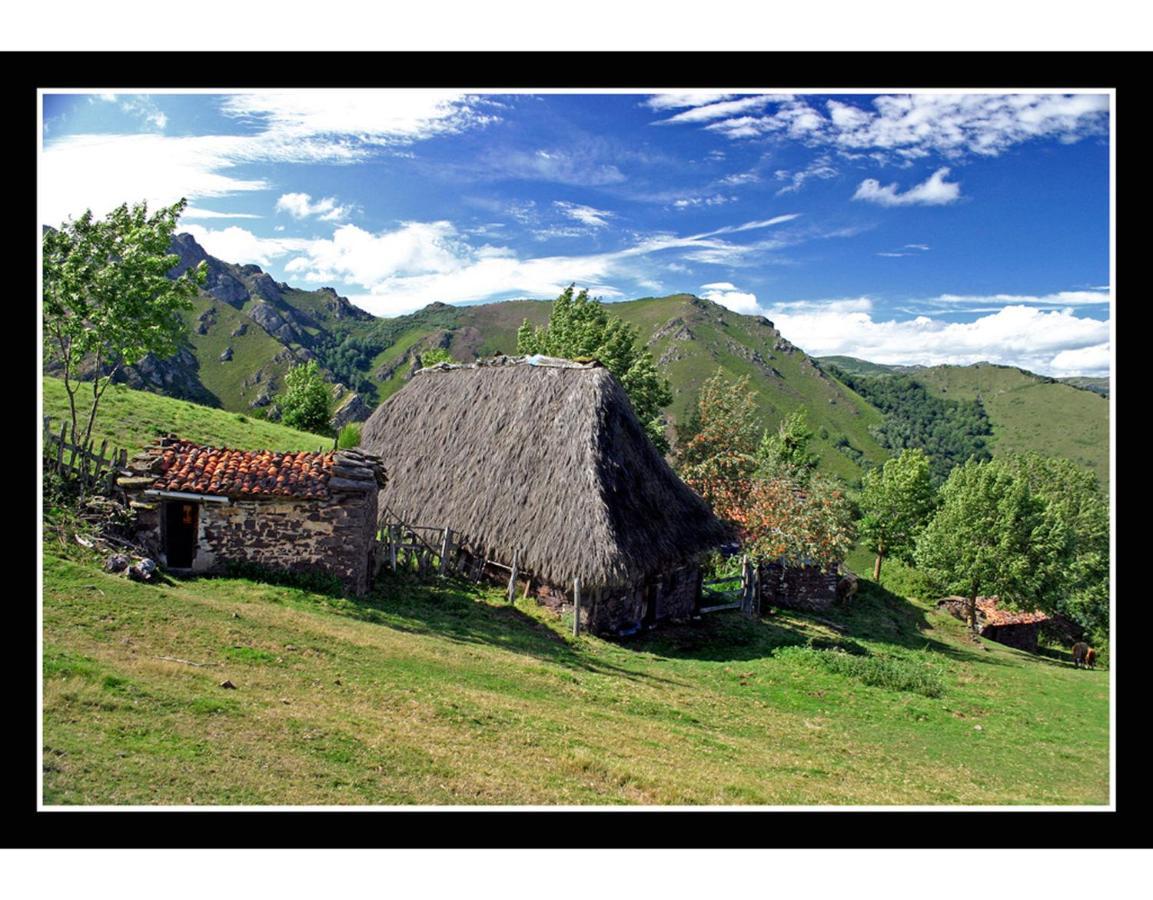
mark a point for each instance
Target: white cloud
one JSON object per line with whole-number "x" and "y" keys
{"x": 687, "y": 98}
{"x": 1092, "y": 297}
{"x": 195, "y": 212}
{"x": 1055, "y": 342}
{"x": 914, "y": 125}
{"x": 136, "y": 167}
{"x": 583, "y": 166}
{"x": 934, "y": 191}
{"x": 917, "y": 246}
{"x": 728, "y": 296}
{"x": 693, "y": 202}
{"x": 238, "y": 245}
{"x": 310, "y": 126}
{"x": 819, "y": 168}
{"x": 710, "y": 111}
{"x": 300, "y": 206}
{"x": 394, "y": 116}
{"x": 586, "y": 215}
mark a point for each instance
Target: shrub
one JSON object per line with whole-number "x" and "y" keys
{"x": 349, "y": 436}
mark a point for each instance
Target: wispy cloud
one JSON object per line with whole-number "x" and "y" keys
{"x": 586, "y": 215}
{"x": 195, "y": 212}
{"x": 365, "y": 116}
{"x": 911, "y": 126}
{"x": 820, "y": 168}
{"x": 934, "y": 191}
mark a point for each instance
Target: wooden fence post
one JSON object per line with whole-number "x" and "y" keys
{"x": 576, "y": 607}
{"x": 444, "y": 545}
{"x": 512, "y": 577}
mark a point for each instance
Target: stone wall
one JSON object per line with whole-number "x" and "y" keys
{"x": 333, "y": 536}
{"x": 1022, "y": 636}
{"x": 806, "y": 588}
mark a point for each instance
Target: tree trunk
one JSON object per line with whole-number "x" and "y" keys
{"x": 877, "y": 568}
{"x": 973, "y": 612}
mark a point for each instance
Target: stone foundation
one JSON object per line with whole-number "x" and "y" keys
{"x": 625, "y": 610}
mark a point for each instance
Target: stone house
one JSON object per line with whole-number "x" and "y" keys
{"x": 199, "y": 509}
{"x": 1015, "y": 629}
{"x": 542, "y": 462}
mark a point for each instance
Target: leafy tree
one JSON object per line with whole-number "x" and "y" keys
{"x": 777, "y": 515}
{"x": 435, "y": 356}
{"x": 896, "y": 502}
{"x": 989, "y": 536}
{"x": 1076, "y": 520}
{"x": 108, "y": 301}
{"x": 786, "y": 453}
{"x": 717, "y": 458}
{"x": 579, "y": 327}
{"x": 306, "y": 402}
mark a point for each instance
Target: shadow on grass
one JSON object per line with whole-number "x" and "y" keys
{"x": 457, "y": 610}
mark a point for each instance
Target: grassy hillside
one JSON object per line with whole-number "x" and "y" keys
{"x": 448, "y": 695}
{"x": 130, "y": 420}
{"x": 1030, "y": 412}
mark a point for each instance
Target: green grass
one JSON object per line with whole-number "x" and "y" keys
{"x": 446, "y": 694}
{"x": 130, "y": 420}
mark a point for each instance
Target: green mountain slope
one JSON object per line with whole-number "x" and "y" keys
{"x": 1027, "y": 411}
{"x": 129, "y": 420}
{"x": 1031, "y": 412}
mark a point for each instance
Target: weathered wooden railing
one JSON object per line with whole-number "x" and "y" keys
{"x": 82, "y": 464}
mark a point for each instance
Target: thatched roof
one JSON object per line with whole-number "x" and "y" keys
{"x": 547, "y": 458}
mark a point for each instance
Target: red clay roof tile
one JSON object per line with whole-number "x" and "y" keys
{"x": 191, "y": 468}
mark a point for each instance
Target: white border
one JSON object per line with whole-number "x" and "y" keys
{"x": 1110, "y": 807}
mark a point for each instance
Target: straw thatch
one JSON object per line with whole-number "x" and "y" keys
{"x": 546, "y": 459}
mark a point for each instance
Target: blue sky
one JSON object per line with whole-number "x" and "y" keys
{"x": 905, "y": 228}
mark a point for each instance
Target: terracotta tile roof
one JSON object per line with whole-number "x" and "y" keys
{"x": 191, "y": 468}
{"x": 989, "y": 613}
{"x": 995, "y": 616}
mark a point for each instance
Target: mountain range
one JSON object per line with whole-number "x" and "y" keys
{"x": 246, "y": 330}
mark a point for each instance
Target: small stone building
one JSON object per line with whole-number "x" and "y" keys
{"x": 200, "y": 509}
{"x": 542, "y": 462}
{"x": 1015, "y": 629}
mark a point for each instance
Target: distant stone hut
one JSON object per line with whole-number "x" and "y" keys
{"x": 1016, "y": 629}
{"x": 544, "y": 462}
{"x": 200, "y": 509}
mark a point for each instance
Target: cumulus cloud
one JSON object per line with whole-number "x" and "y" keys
{"x": 1055, "y": 343}
{"x": 730, "y": 297}
{"x": 934, "y": 191}
{"x": 300, "y": 206}
{"x": 239, "y": 245}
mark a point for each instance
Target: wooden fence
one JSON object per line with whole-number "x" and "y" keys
{"x": 82, "y": 464}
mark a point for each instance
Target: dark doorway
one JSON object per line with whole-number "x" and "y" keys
{"x": 180, "y": 521}
{"x": 651, "y": 586}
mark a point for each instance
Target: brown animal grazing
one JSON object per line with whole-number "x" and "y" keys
{"x": 1080, "y": 652}
{"x": 1091, "y": 658}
